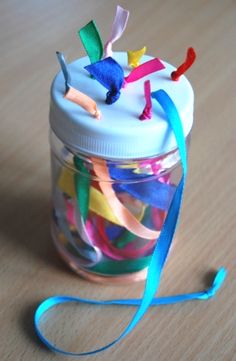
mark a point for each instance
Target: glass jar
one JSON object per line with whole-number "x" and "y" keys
{"x": 107, "y": 214}
{"x": 113, "y": 178}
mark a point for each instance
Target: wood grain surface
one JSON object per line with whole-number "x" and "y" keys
{"x": 30, "y": 270}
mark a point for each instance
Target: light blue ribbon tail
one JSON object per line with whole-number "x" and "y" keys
{"x": 217, "y": 283}
{"x": 158, "y": 258}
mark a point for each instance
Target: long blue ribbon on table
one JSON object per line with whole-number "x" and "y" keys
{"x": 158, "y": 258}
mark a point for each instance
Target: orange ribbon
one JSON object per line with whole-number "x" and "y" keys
{"x": 84, "y": 101}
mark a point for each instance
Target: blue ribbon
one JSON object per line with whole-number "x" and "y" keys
{"x": 158, "y": 258}
{"x": 64, "y": 69}
{"x": 110, "y": 74}
{"x": 152, "y": 192}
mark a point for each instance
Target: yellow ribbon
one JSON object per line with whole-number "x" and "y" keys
{"x": 134, "y": 56}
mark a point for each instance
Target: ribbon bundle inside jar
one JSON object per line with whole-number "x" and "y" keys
{"x": 107, "y": 215}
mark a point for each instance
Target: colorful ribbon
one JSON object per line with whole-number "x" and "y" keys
{"x": 125, "y": 217}
{"x": 144, "y": 69}
{"x": 134, "y": 56}
{"x": 91, "y": 41}
{"x": 82, "y": 187}
{"x": 97, "y": 232}
{"x": 74, "y": 95}
{"x": 190, "y": 58}
{"x": 97, "y": 201}
{"x": 118, "y": 27}
{"x": 84, "y": 101}
{"x": 64, "y": 69}
{"x": 147, "y": 111}
{"x": 156, "y": 192}
{"x": 110, "y": 74}
{"x": 158, "y": 257}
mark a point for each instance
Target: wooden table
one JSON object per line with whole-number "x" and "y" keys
{"x": 30, "y": 33}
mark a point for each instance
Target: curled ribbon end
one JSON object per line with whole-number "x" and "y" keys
{"x": 97, "y": 114}
{"x": 219, "y": 279}
{"x": 190, "y": 58}
{"x": 191, "y": 54}
{"x": 112, "y": 97}
{"x": 216, "y": 284}
{"x": 146, "y": 114}
{"x": 175, "y": 76}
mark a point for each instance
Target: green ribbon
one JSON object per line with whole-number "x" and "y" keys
{"x": 91, "y": 41}
{"x": 121, "y": 267}
{"x": 82, "y": 185}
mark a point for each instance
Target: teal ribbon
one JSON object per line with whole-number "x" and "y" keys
{"x": 91, "y": 41}
{"x": 158, "y": 258}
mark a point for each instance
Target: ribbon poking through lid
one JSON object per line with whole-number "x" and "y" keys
{"x": 144, "y": 69}
{"x": 190, "y": 58}
{"x": 110, "y": 74}
{"x": 84, "y": 101}
{"x": 91, "y": 41}
{"x": 118, "y": 27}
{"x": 134, "y": 56}
{"x": 64, "y": 69}
{"x": 147, "y": 111}
{"x": 75, "y": 95}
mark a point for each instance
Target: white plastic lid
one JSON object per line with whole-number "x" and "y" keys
{"x": 119, "y": 134}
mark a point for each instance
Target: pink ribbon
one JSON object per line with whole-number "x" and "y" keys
{"x": 144, "y": 69}
{"x": 70, "y": 216}
{"x": 118, "y": 27}
{"x": 158, "y": 217}
{"x": 100, "y": 239}
{"x": 147, "y": 111}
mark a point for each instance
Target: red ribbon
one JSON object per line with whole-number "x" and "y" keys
{"x": 190, "y": 58}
